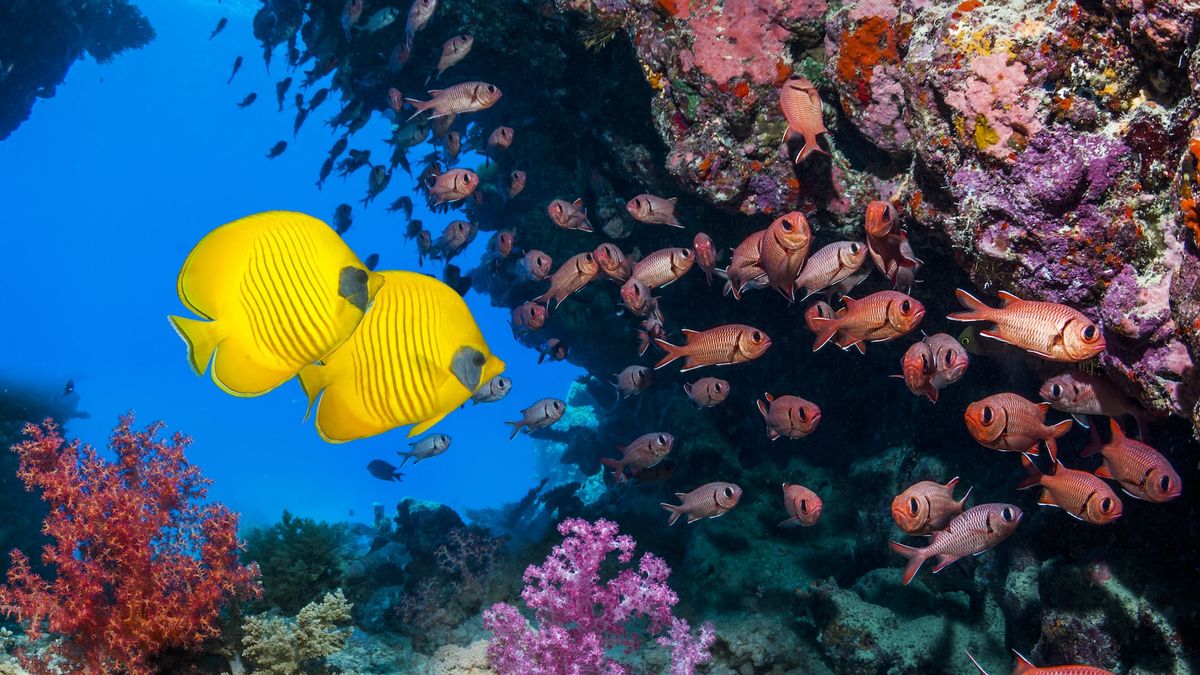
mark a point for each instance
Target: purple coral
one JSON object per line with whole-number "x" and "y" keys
{"x": 579, "y": 618}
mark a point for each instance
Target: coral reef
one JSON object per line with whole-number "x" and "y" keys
{"x": 278, "y": 646}
{"x": 40, "y": 40}
{"x": 140, "y": 563}
{"x": 298, "y": 559}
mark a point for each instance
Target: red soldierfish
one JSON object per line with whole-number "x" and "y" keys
{"x": 927, "y": 507}
{"x": 652, "y": 329}
{"x": 706, "y": 254}
{"x": 632, "y": 380}
{"x": 970, "y": 533}
{"x": 885, "y": 240}
{"x": 803, "y": 506}
{"x": 710, "y": 500}
{"x": 569, "y": 215}
{"x": 636, "y": 297}
{"x": 516, "y": 183}
{"x": 830, "y": 266}
{"x": 789, "y": 416}
{"x": 783, "y": 250}
{"x": 454, "y": 50}
{"x": 575, "y": 273}
{"x": 527, "y": 318}
{"x": 1080, "y": 395}
{"x": 1079, "y": 493}
{"x": 950, "y": 359}
{"x": 501, "y": 137}
{"x": 663, "y": 267}
{"x": 720, "y": 346}
{"x": 461, "y": 98}
{"x": 916, "y": 369}
{"x": 643, "y": 453}
{"x": 878, "y": 317}
{"x": 418, "y": 17}
{"x": 1010, "y": 423}
{"x": 744, "y": 266}
{"x": 538, "y": 416}
{"x": 452, "y": 186}
{"x": 801, "y": 106}
{"x": 652, "y": 209}
{"x": 503, "y": 243}
{"x": 536, "y": 264}
{"x": 818, "y": 310}
{"x": 707, "y": 392}
{"x": 612, "y": 262}
{"x": 1025, "y": 667}
{"x": 1048, "y": 329}
{"x": 1140, "y": 470}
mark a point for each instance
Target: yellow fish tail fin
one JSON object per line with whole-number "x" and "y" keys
{"x": 426, "y": 425}
{"x": 201, "y": 338}
{"x": 312, "y": 381}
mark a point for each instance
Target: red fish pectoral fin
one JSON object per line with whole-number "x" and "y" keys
{"x": 790, "y": 522}
{"x": 915, "y": 556}
{"x": 976, "y": 310}
{"x": 1047, "y": 499}
{"x": 690, "y": 363}
{"x": 1035, "y": 474}
{"x": 1104, "y": 471}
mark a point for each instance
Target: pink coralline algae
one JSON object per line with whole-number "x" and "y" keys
{"x": 743, "y": 38}
{"x": 579, "y": 619}
{"x": 996, "y": 103}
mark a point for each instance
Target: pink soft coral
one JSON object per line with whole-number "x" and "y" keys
{"x": 579, "y": 618}
{"x": 996, "y": 100}
{"x": 140, "y": 563}
{"x": 738, "y": 38}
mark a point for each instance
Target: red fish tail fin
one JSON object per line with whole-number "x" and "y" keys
{"x": 675, "y": 510}
{"x": 976, "y": 310}
{"x": 810, "y": 146}
{"x": 975, "y": 663}
{"x": 617, "y": 466}
{"x": 1035, "y": 474}
{"x": 916, "y": 558}
{"x": 826, "y": 329}
{"x": 672, "y": 352}
{"x": 963, "y": 502}
{"x": 420, "y": 106}
{"x": 1056, "y": 431}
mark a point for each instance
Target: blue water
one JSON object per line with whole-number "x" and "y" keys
{"x": 106, "y": 189}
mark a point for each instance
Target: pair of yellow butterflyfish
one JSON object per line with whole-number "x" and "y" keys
{"x": 280, "y": 294}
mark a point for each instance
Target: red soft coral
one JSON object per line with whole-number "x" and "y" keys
{"x": 141, "y": 563}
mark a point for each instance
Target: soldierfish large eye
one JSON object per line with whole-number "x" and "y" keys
{"x": 1007, "y": 515}
{"x": 756, "y": 337}
{"x": 1106, "y": 505}
{"x": 905, "y": 307}
{"x": 1090, "y": 333}
{"x": 728, "y": 493}
{"x": 912, "y": 505}
{"x": 1164, "y": 484}
{"x": 717, "y": 387}
{"x": 924, "y": 364}
{"x": 854, "y": 249}
{"x": 802, "y": 414}
{"x": 787, "y": 226}
{"x": 1055, "y": 390}
{"x": 803, "y": 506}
{"x": 662, "y": 440}
{"x": 987, "y": 415}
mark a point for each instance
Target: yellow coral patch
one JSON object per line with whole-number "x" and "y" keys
{"x": 985, "y": 136}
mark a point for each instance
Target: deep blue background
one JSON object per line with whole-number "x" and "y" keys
{"x": 107, "y": 188}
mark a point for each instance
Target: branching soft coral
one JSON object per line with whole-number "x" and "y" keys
{"x": 140, "y": 563}
{"x": 579, "y": 619}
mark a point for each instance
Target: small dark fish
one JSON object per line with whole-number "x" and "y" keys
{"x": 372, "y": 261}
{"x": 69, "y": 388}
{"x": 318, "y": 98}
{"x": 342, "y": 218}
{"x": 404, "y": 204}
{"x": 553, "y": 349}
{"x": 237, "y": 65}
{"x": 384, "y": 471}
{"x": 299, "y": 100}
{"x": 453, "y": 277}
{"x": 357, "y": 160}
{"x": 300, "y": 117}
{"x": 326, "y": 169}
{"x": 277, "y": 150}
{"x": 338, "y": 148}
{"x": 377, "y": 182}
{"x": 220, "y": 27}
{"x": 414, "y": 229}
{"x": 250, "y": 98}
{"x": 281, "y": 91}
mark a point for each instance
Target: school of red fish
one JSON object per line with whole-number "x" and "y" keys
{"x": 778, "y": 257}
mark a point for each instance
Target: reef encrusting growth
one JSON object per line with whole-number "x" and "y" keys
{"x": 40, "y": 40}
{"x": 1037, "y": 147}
